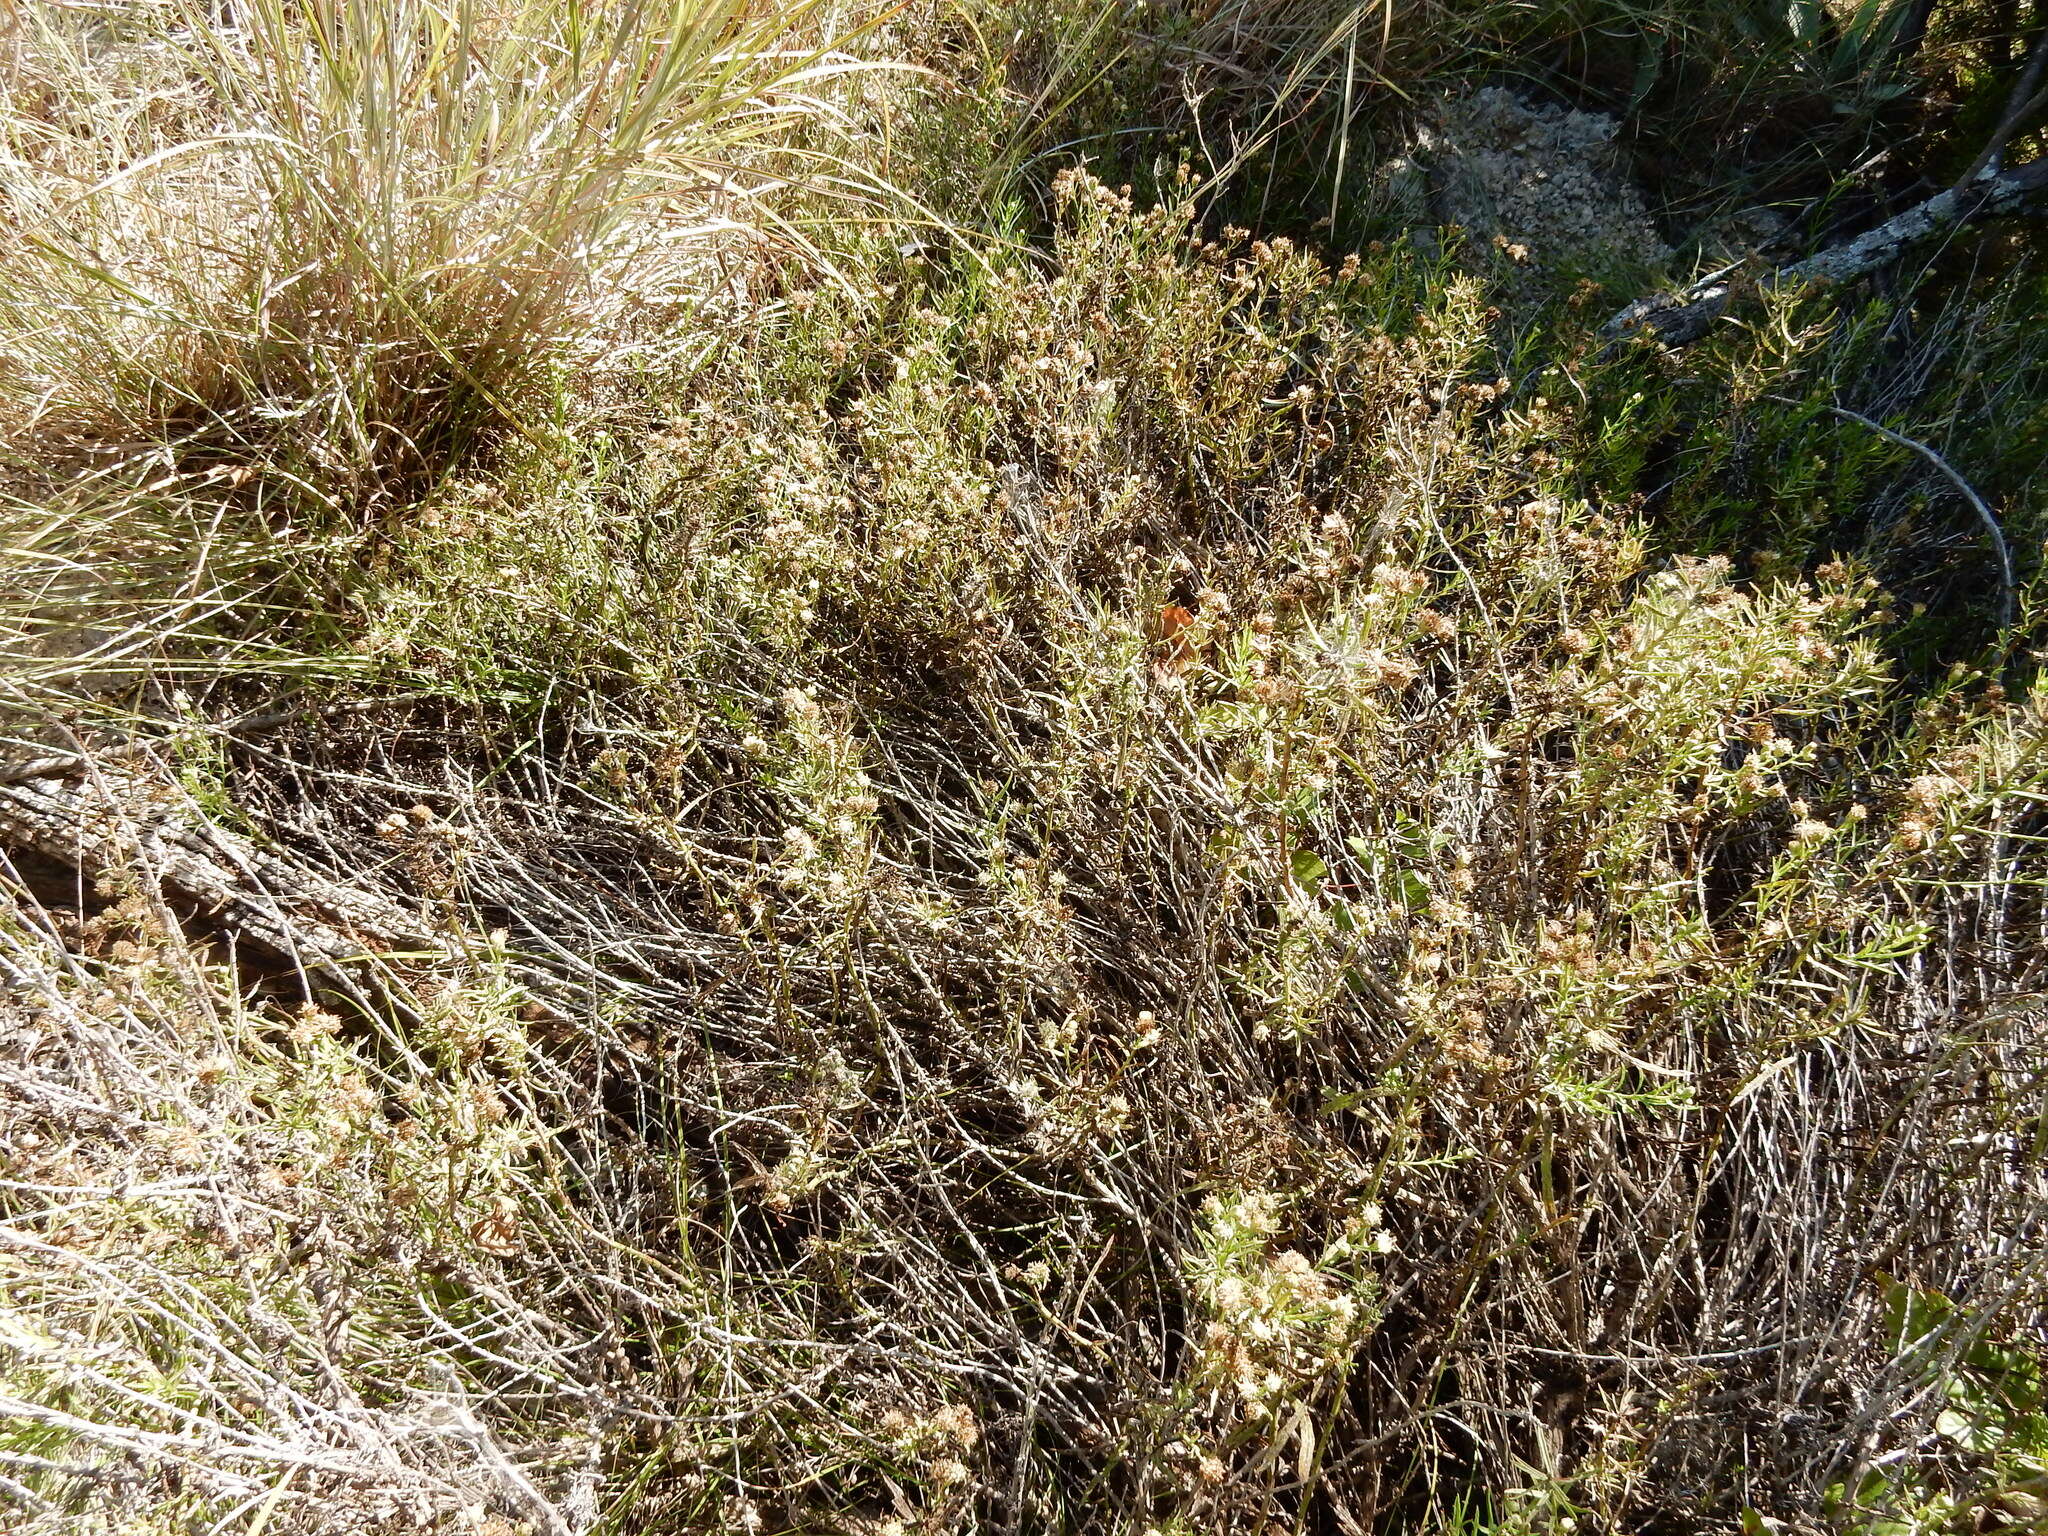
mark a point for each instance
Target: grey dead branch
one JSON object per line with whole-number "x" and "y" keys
{"x": 104, "y": 823}
{"x": 1679, "y": 319}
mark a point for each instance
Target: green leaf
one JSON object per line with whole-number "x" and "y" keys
{"x": 1649, "y": 69}
{"x": 1912, "y": 1313}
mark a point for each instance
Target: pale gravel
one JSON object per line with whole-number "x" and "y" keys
{"x": 1532, "y": 185}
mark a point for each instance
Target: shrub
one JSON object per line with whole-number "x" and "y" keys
{"x": 1142, "y": 880}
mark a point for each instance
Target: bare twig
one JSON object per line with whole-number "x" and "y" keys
{"x": 2007, "y": 584}
{"x": 2027, "y": 97}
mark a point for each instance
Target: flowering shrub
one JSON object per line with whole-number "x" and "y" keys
{"x": 1098, "y": 873}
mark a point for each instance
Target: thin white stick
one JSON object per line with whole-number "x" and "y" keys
{"x": 1969, "y": 494}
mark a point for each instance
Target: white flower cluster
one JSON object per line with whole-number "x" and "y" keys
{"x": 1279, "y": 1321}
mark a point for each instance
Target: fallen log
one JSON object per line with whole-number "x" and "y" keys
{"x": 1684, "y": 317}
{"x": 101, "y": 824}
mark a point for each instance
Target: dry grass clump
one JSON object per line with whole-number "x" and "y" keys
{"x": 1140, "y": 885}
{"x": 327, "y": 252}
{"x": 247, "y": 1252}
